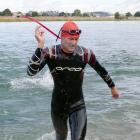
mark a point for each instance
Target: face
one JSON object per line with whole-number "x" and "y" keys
{"x": 69, "y": 44}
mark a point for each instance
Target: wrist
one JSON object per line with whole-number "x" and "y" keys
{"x": 41, "y": 45}
{"x": 113, "y": 87}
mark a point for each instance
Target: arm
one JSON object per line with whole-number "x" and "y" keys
{"x": 37, "y": 61}
{"x": 103, "y": 74}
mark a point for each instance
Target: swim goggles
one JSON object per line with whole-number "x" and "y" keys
{"x": 72, "y": 32}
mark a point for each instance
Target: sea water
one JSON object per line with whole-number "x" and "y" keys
{"x": 25, "y": 101}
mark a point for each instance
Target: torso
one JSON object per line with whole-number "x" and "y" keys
{"x": 67, "y": 72}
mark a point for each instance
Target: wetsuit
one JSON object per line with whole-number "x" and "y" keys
{"x": 67, "y": 99}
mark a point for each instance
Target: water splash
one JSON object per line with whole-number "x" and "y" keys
{"x": 45, "y": 81}
{"x": 51, "y": 136}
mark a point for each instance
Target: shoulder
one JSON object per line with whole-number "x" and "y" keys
{"x": 87, "y": 54}
{"x": 50, "y": 52}
{"x": 87, "y": 50}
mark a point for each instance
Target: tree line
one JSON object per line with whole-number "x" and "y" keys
{"x": 76, "y": 12}
{"x": 118, "y": 16}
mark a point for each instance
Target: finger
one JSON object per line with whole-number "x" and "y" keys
{"x": 116, "y": 96}
{"x": 41, "y": 30}
{"x": 37, "y": 29}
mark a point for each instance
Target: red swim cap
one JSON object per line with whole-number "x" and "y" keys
{"x": 70, "y": 29}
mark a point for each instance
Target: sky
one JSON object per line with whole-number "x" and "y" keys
{"x": 111, "y": 6}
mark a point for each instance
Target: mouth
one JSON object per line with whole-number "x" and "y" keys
{"x": 72, "y": 45}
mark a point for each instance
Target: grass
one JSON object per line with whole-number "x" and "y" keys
{"x": 49, "y": 18}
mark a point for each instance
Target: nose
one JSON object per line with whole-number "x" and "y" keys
{"x": 74, "y": 41}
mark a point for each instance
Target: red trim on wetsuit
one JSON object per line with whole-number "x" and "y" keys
{"x": 45, "y": 53}
{"x": 92, "y": 58}
{"x": 89, "y": 56}
{"x": 53, "y": 52}
{"x": 85, "y": 55}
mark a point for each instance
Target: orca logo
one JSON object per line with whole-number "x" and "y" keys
{"x": 68, "y": 68}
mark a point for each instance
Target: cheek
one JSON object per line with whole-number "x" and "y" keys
{"x": 63, "y": 42}
{"x": 68, "y": 42}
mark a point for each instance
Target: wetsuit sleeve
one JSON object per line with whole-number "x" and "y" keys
{"x": 100, "y": 70}
{"x": 37, "y": 61}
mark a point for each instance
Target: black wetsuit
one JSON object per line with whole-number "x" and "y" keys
{"x": 67, "y": 99}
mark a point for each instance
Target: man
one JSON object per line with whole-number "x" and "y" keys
{"x": 67, "y": 62}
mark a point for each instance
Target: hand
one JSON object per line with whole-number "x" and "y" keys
{"x": 115, "y": 92}
{"x": 40, "y": 36}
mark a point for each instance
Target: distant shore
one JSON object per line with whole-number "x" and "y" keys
{"x": 49, "y": 18}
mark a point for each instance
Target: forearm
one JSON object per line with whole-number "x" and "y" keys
{"x": 34, "y": 63}
{"x": 103, "y": 73}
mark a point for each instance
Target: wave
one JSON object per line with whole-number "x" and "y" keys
{"x": 51, "y": 136}
{"x": 45, "y": 81}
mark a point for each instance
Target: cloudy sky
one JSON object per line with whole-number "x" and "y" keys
{"x": 70, "y": 5}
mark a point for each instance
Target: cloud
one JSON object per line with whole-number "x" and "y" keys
{"x": 37, "y": 4}
{"x": 120, "y": 6}
{"x": 71, "y": 5}
{"x": 130, "y": 5}
{"x": 55, "y": 5}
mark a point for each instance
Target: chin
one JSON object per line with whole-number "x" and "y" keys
{"x": 71, "y": 50}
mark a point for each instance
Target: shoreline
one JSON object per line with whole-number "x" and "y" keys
{"x": 50, "y": 18}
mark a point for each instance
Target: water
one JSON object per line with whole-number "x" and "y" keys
{"x": 25, "y": 102}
